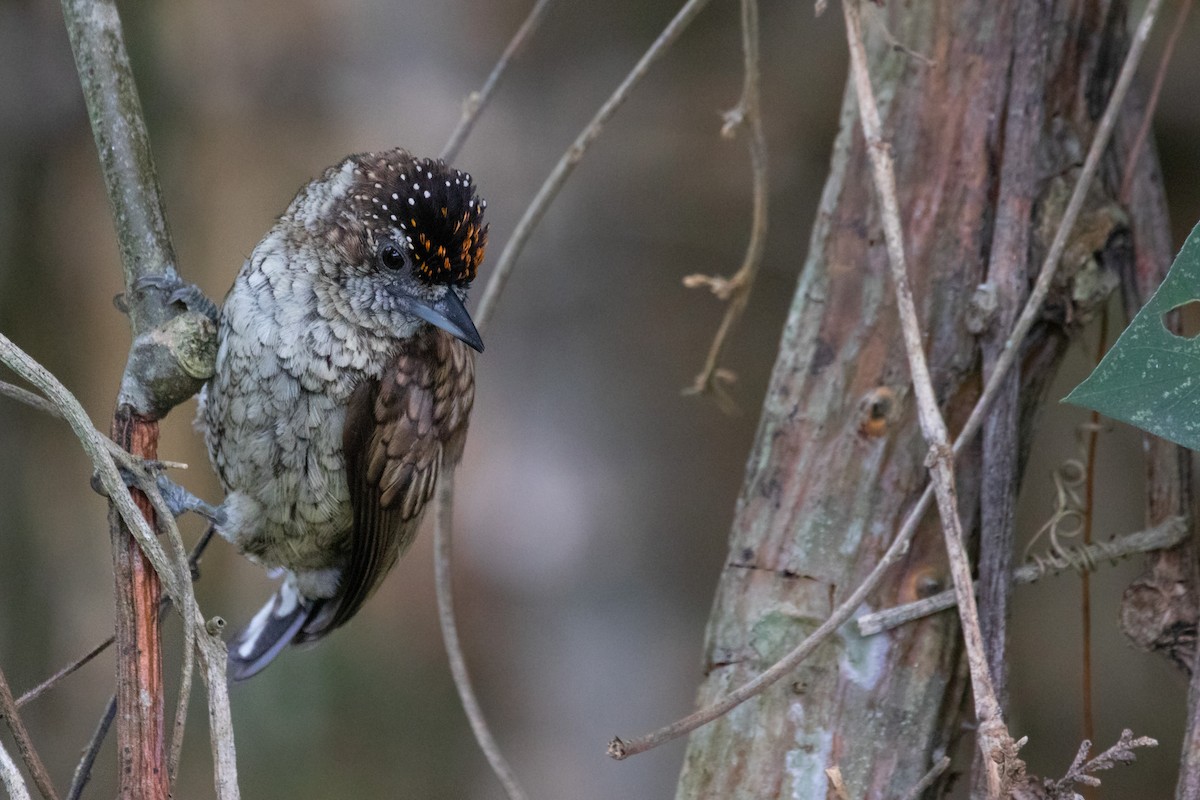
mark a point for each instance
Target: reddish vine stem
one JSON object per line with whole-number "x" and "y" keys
{"x": 1085, "y": 583}
{"x": 141, "y": 751}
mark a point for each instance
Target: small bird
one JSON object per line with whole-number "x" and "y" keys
{"x": 343, "y": 386}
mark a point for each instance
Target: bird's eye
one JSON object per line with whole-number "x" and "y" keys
{"x": 391, "y": 257}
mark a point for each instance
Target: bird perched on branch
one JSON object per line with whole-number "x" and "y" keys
{"x": 342, "y": 387}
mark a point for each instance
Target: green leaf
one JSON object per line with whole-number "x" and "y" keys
{"x": 1151, "y": 377}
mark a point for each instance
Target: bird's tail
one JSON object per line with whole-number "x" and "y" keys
{"x": 276, "y": 625}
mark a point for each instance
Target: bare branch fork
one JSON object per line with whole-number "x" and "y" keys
{"x": 619, "y": 748}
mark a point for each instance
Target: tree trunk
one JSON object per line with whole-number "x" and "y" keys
{"x": 839, "y": 457}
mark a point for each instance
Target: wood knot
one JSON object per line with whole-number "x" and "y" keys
{"x": 925, "y": 581}
{"x": 876, "y": 411}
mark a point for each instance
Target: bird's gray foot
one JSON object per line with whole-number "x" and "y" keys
{"x": 187, "y": 295}
{"x": 180, "y": 501}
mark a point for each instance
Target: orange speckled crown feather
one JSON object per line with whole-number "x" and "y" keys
{"x": 426, "y": 205}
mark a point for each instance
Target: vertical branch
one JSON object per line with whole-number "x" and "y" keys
{"x": 1007, "y": 277}
{"x": 122, "y": 143}
{"x": 999, "y": 751}
{"x": 140, "y": 699}
{"x": 1085, "y": 578}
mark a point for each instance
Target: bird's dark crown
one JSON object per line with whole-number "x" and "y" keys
{"x": 423, "y": 205}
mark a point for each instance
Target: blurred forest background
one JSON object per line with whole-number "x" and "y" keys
{"x": 594, "y": 499}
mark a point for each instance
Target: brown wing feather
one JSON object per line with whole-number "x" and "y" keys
{"x": 401, "y": 431}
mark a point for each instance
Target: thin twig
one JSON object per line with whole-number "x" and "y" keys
{"x": 28, "y": 398}
{"x": 442, "y": 563}
{"x": 927, "y": 780}
{"x": 620, "y": 749}
{"x": 191, "y": 618}
{"x": 29, "y": 754}
{"x": 35, "y": 401}
{"x": 574, "y": 154}
{"x": 1083, "y": 559}
{"x": 477, "y": 101}
{"x": 11, "y": 777}
{"x": 994, "y": 739}
{"x": 1135, "y": 150}
{"x": 53, "y": 680}
{"x": 1081, "y": 769}
{"x": 458, "y": 665}
{"x": 83, "y": 771}
{"x": 736, "y": 290}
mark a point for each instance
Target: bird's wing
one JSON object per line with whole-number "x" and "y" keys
{"x": 401, "y": 431}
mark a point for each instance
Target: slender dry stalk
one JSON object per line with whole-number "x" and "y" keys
{"x": 458, "y": 665}
{"x": 1160, "y": 75}
{"x": 476, "y": 102}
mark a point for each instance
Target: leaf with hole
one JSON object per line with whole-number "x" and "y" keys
{"x": 1151, "y": 377}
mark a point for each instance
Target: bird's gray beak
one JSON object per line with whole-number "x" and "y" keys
{"x": 450, "y": 315}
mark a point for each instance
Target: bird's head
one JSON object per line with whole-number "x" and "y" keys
{"x": 407, "y": 237}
